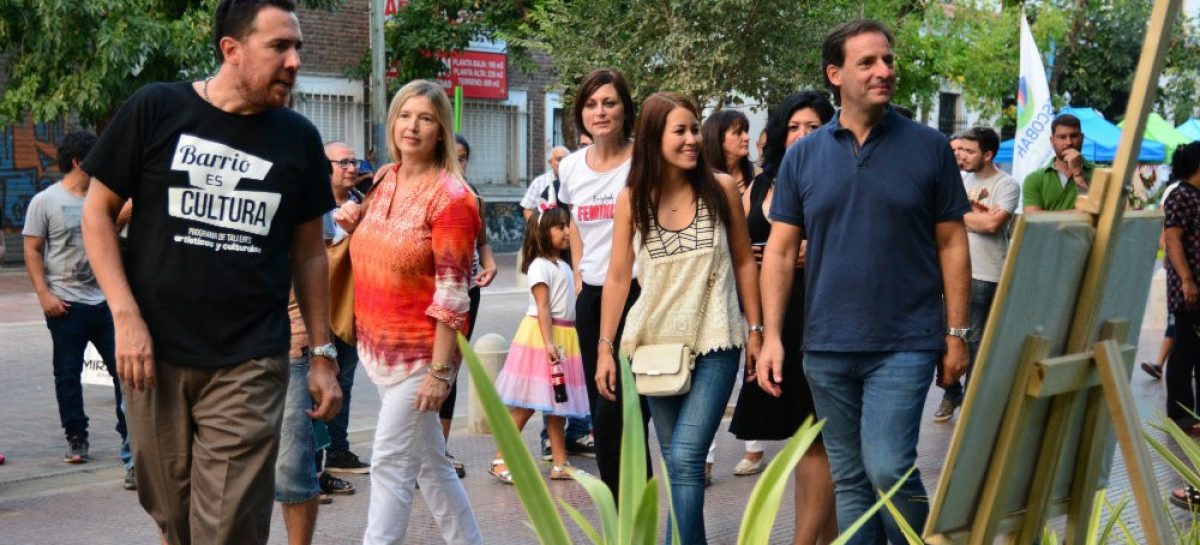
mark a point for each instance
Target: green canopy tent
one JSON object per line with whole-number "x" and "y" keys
{"x": 1159, "y": 130}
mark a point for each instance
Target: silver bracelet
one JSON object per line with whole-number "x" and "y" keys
{"x": 608, "y": 342}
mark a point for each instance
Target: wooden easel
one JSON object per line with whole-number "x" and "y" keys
{"x": 1052, "y": 449}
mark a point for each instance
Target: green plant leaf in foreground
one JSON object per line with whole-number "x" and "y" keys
{"x": 853, "y": 529}
{"x": 531, "y": 489}
{"x": 906, "y": 529}
{"x": 763, "y": 506}
{"x": 645, "y": 522}
{"x": 632, "y": 486}
{"x": 582, "y": 522}
{"x": 602, "y": 498}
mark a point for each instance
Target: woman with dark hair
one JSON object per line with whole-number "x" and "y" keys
{"x": 726, "y": 137}
{"x": 694, "y": 261}
{"x": 1181, "y": 232}
{"x": 589, "y": 182}
{"x": 483, "y": 271}
{"x": 796, "y": 117}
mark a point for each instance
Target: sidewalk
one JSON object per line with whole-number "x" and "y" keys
{"x": 44, "y": 501}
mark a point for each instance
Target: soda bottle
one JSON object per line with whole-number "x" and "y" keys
{"x": 558, "y": 380}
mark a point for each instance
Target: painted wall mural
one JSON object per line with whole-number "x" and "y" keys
{"x": 505, "y": 226}
{"x": 27, "y": 166}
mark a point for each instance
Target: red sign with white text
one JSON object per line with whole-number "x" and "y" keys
{"x": 391, "y": 6}
{"x": 481, "y": 75}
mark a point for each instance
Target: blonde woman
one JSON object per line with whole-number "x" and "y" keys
{"x": 412, "y": 245}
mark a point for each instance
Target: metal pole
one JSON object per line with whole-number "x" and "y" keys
{"x": 378, "y": 84}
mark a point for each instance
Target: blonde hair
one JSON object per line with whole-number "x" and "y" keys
{"x": 444, "y": 154}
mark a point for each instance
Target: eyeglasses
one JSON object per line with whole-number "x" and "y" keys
{"x": 345, "y": 163}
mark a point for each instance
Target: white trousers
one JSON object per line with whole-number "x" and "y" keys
{"x": 409, "y": 447}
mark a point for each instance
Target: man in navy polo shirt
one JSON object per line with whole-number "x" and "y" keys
{"x": 880, "y": 201}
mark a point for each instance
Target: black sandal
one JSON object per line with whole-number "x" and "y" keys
{"x": 1190, "y": 500}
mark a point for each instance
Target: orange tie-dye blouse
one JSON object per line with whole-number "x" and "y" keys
{"x": 412, "y": 259}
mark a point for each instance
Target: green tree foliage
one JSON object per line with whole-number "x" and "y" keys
{"x": 424, "y": 27}
{"x": 1098, "y": 52}
{"x": 1179, "y": 96}
{"x": 86, "y": 57}
{"x": 712, "y": 50}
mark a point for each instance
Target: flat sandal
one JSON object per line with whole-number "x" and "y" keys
{"x": 502, "y": 476}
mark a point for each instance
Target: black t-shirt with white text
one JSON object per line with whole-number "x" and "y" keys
{"x": 216, "y": 196}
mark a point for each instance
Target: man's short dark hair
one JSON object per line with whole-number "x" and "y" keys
{"x": 987, "y": 138}
{"x": 235, "y": 18}
{"x": 833, "y": 50}
{"x": 1066, "y": 120}
{"x": 74, "y": 147}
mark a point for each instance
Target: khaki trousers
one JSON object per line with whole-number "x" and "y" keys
{"x": 205, "y": 447}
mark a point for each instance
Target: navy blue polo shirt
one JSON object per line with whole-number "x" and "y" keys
{"x": 873, "y": 279}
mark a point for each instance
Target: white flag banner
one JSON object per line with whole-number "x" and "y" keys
{"x": 1031, "y": 148}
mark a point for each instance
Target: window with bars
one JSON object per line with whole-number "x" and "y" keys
{"x": 556, "y": 130}
{"x": 493, "y": 130}
{"x": 949, "y": 120}
{"x": 337, "y": 117}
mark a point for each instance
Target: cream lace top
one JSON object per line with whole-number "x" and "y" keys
{"x": 673, "y": 269}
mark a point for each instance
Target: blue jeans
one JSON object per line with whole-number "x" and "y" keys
{"x": 577, "y": 428}
{"x": 338, "y": 427}
{"x": 70, "y": 334}
{"x": 872, "y": 403}
{"x": 295, "y": 466}
{"x": 686, "y": 425}
{"x": 982, "y": 294}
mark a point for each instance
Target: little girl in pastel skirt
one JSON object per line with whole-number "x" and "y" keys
{"x": 544, "y": 356}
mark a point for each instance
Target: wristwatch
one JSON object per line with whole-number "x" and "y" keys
{"x": 327, "y": 350}
{"x": 960, "y": 332}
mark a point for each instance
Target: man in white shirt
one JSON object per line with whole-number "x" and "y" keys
{"x": 993, "y": 195}
{"x": 544, "y": 188}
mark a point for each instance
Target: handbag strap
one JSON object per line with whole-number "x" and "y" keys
{"x": 383, "y": 171}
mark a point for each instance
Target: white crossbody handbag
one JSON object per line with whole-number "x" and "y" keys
{"x": 666, "y": 369}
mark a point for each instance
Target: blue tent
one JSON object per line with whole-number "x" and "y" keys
{"x": 1190, "y": 128}
{"x": 1005, "y": 155}
{"x": 1100, "y": 140}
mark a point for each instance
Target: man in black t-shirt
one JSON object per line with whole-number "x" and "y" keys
{"x": 230, "y": 189}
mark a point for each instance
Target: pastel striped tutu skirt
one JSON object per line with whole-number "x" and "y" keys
{"x": 525, "y": 379}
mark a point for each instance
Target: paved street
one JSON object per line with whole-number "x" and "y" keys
{"x": 44, "y": 501}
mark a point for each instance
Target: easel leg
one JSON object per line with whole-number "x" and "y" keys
{"x": 1061, "y": 409}
{"x": 1114, "y": 374}
{"x": 991, "y": 501}
{"x": 1093, "y": 441}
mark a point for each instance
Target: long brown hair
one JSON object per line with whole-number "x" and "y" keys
{"x": 537, "y": 236}
{"x": 648, "y": 168}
